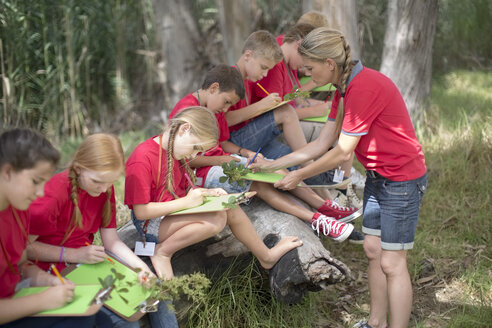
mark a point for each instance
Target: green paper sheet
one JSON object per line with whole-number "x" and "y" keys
{"x": 82, "y": 299}
{"x": 211, "y": 204}
{"x": 268, "y": 177}
{"x": 326, "y": 87}
{"x": 320, "y": 119}
{"x": 89, "y": 274}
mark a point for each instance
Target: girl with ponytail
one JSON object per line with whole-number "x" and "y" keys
{"x": 156, "y": 185}
{"x": 368, "y": 116}
{"x": 77, "y": 203}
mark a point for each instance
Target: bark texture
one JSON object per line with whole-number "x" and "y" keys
{"x": 407, "y": 53}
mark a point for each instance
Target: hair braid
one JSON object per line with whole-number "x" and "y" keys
{"x": 188, "y": 169}
{"x": 170, "y": 155}
{"x": 107, "y": 211}
{"x": 346, "y": 70}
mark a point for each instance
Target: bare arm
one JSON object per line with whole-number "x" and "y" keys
{"x": 201, "y": 161}
{"x": 341, "y": 153}
{"x": 311, "y": 151}
{"x": 113, "y": 243}
{"x": 314, "y": 110}
{"x": 51, "y": 253}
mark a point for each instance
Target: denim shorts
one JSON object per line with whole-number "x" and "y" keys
{"x": 152, "y": 234}
{"x": 261, "y": 132}
{"x": 391, "y": 210}
{"x": 214, "y": 174}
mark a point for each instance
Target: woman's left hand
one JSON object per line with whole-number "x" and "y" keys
{"x": 144, "y": 276}
{"x": 290, "y": 181}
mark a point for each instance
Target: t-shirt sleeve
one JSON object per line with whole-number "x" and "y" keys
{"x": 138, "y": 183}
{"x": 360, "y": 112}
{"x": 45, "y": 211}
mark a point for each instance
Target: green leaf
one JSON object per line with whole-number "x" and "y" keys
{"x": 223, "y": 179}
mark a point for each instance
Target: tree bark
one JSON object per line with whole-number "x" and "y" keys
{"x": 407, "y": 53}
{"x": 307, "y": 268}
{"x": 341, "y": 15}
{"x": 235, "y": 26}
{"x": 184, "y": 60}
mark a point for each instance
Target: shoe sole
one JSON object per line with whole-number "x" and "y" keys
{"x": 356, "y": 242}
{"x": 345, "y": 234}
{"x": 351, "y": 217}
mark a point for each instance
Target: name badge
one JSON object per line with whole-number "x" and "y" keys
{"x": 146, "y": 249}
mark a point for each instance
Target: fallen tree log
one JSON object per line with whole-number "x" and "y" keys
{"x": 307, "y": 268}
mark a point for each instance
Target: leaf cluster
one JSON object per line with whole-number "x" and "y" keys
{"x": 297, "y": 94}
{"x": 234, "y": 173}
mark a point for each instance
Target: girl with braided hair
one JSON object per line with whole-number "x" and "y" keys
{"x": 77, "y": 203}
{"x": 368, "y": 116}
{"x": 156, "y": 185}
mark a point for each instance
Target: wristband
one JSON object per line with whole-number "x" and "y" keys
{"x": 61, "y": 254}
{"x": 239, "y": 151}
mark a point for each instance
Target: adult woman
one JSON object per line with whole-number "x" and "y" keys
{"x": 372, "y": 120}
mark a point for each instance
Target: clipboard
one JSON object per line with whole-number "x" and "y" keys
{"x": 320, "y": 119}
{"x": 271, "y": 177}
{"x": 211, "y": 204}
{"x": 82, "y": 305}
{"x": 326, "y": 87}
{"x": 136, "y": 296}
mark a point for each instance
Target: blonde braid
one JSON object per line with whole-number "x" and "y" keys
{"x": 170, "y": 156}
{"x": 189, "y": 170}
{"x": 77, "y": 215}
{"x": 346, "y": 71}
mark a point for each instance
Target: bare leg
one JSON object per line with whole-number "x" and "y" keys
{"x": 394, "y": 265}
{"x": 280, "y": 201}
{"x": 287, "y": 120}
{"x": 245, "y": 232}
{"x": 178, "y": 232}
{"x": 377, "y": 283}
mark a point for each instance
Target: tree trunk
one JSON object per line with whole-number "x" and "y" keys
{"x": 307, "y": 268}
{"x": 235, "y": 19}
{"x": 341, "y": 15}
{"x": 183, "y": 57}
{"x": 407, "y": 53}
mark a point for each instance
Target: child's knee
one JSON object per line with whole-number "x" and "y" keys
{"x": 217, "y": 224}
{"x": 284, "y": 114}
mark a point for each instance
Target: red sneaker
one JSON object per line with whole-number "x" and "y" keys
{"x": 339, "y": 213}
{"x": 330, "y": 227}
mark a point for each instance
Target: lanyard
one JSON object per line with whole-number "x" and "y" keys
{"x": 292, "y": 78}
{"x": 23, "y": 230}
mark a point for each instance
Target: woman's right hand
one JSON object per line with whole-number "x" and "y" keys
{"x": 57, "y": 296}
{"x": 89, "y": 254}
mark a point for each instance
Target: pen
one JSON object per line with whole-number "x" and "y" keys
{"x": 262, "y": 88}
{"x": 254, "y": 157}
{"x": 189, "y": 180}
{"x": 110, "y": 260}
{"x": 55, "y": 270}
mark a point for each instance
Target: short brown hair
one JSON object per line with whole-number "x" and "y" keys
{"x": 314, "y": 18}
{"x": 228, "y": 77}
{"x": 263, "y": 44}
{"x": 298, "y": 32}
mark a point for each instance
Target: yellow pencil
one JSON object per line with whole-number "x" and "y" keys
{"x": 55, "y": 270}
{"x": 262, "y": 88}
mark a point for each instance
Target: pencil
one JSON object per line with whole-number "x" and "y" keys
{"x": 110, "y": 260}
{"x": 262, "y": 88}
{"x": 254, "y": 157}
{"x": 55, "y": 270}
{"x": 189, "y": 180}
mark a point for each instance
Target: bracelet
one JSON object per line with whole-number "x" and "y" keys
{"x": 239, "y": 151}
{"x": 61, "y": 254}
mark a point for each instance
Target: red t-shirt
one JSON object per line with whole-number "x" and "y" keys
{"x": 375, "y": 110}
{"x": 246, "y": 101}
{"x": 51, "y": 215}
{"x": 190, "y": 100}
{"x": 15, "y": 242}
{"x": 141, "y": 176}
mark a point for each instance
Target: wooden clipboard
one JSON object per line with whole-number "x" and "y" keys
{"x": 136, "y": 296}
{"x": 82, "y": 304}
